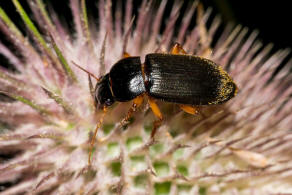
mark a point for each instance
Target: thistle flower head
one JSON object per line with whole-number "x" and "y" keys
{"x": 240, "y": 147}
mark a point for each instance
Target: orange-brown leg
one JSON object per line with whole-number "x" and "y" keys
{"x": 98, "y": 125}
{"x": 157, "y": 113}
{"x": 126, "y": 55}
{"x": 177, "y": 49}
{"x": 136, "y": 103}
{"x": 189, "y": 109}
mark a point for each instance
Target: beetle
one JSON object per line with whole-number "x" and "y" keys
{"x": 179, "y": 78}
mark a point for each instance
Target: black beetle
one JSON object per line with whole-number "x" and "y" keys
{"x": 179, "y": 78}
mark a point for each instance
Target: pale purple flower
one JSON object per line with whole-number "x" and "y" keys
{"x": 241, "y": 147}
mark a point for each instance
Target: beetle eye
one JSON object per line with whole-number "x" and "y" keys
{"x": 108, "y": 102}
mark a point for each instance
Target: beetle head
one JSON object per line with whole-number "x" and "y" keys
{"x": 103, "y": 95}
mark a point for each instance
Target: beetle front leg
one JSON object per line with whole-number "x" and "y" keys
{"x": 177, "y": 49}
{"x": 137, "y": 102}
{"x": 157, "y": 113}
{"x": 92, "y": 141}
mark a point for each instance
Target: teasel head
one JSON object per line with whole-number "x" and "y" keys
{"x": 48, "y": 114}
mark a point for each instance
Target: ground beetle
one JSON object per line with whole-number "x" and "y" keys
{"x": 186, "y": 80}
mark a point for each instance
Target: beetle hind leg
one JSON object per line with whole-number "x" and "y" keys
{"x": 157, "y": 113}
{"x": 189, "y": 109}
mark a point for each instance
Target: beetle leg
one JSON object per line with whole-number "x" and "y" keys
{"x": 189, "y": 109}
{"x": 157, "y": 113}
{"x": 136, "y": 103}
{"x": 126, "y": 55}
{"x": 177, "y": 49}
{"x": 98, "y": 125}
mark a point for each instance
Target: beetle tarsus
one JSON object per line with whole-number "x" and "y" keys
{"x": 156, "y": 125}
{"x": 136, "y": 104}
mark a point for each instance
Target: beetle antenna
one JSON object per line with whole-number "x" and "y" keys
{"x": 89, "y": 73}
{"x": 91, "y": 89}
{"x": 92, "y": 142}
